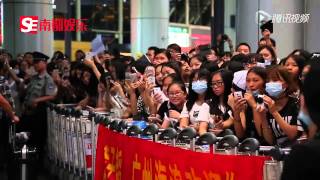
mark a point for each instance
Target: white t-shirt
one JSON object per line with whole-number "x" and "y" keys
{"x": 197, "y": 113}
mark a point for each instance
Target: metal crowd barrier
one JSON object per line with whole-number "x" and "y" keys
{"x": 72, "y": 139}
{"x": 72, "y": 136}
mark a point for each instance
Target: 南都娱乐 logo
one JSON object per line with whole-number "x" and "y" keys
{"x": 32, "y": 24}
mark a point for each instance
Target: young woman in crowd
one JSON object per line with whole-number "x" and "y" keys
{"x": 221, "y": 112}
{"x": 162, "y": 71}
{"x": 171, "y": 67}
{"x": 268, "y": 55}
{"x": 185, "y": 72}
{"x": 294, "y": 65}
{"x": 196, "y": 112}
{"x": 107, "y": 100}
{"x": 169, "y": 111}
{"x": 167, "y": 80}
{"x": 282, "y": 127}
{"x": 160, "y": 94}
{"x": 89, "y": 84}
{"x": 246, "y": 108}
{"x": 161, "y": 56}
{"x": 159, "y": 76}
{"x": 303, "y": 161}
{"x": 211, "y": 55}
{"x": 196, "y": 61}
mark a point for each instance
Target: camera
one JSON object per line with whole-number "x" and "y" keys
{"x": 259, "y": 99}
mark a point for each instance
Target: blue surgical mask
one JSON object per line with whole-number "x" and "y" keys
{"x": 304, "y": 118}
{"x": 274, "y": 89}
{"x": 199, "y": 86}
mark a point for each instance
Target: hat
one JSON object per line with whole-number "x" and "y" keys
{"x": 268, "y": 25}
{"x": 38, "y": 56}
{"x": 239, "y": 79}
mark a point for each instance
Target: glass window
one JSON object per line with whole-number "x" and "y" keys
{"x": 126, "y": 21}
{"x": 200, "y": 12}
{"x": 100, "y": 15}
{"x": 178, "y": 11}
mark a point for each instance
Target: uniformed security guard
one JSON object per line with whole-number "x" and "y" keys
{"x": 40, "y": 90}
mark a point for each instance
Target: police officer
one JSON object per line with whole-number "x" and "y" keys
{"x": 40, "y": 90}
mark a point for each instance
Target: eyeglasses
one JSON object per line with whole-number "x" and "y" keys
{"x": 217, "y": 84}
{"x": 175, "y": 94}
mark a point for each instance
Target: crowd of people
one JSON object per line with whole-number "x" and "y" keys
{"x": 255, "y": 94}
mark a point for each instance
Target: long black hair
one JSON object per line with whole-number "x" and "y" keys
{"x": 260, "y": 71}
{"x": 227, "y": 78}
{"x": 311, "y": 92}
{"x": 173, "y": 65}
{"x": 193, "y": 96}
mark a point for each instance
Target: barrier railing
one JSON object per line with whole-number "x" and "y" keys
{"x": 72, "y": 140}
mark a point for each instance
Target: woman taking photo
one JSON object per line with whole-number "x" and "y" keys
{"x": 282, "y": 113}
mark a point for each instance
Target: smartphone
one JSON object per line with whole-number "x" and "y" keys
{"x": 88, "y": 55}
{"x": 238, "y": 94}
{"x": 157, "y": 90}
{"x": 131, "y": 77}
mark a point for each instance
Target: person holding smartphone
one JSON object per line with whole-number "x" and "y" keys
{"x": 282, "y": 109}
{"x": 246, "y": 108}
{"x": 221, "y": 112}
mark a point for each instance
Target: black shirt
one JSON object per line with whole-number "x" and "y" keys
{"x": 289, "y": 113}
{"x": 165, "y": 107}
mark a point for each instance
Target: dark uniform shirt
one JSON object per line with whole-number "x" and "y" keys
{"x": 40, "y": 85}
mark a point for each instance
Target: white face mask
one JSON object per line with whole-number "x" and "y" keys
{"x": 267, "y": 62}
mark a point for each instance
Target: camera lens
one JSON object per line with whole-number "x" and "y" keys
{"x": 259, "y": 100}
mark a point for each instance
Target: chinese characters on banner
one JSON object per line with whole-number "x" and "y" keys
{"x": 123, "y": 157}
{"x": 32, "y": 24}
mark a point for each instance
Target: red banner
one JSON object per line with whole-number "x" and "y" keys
{"x": 129, "y": 158}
